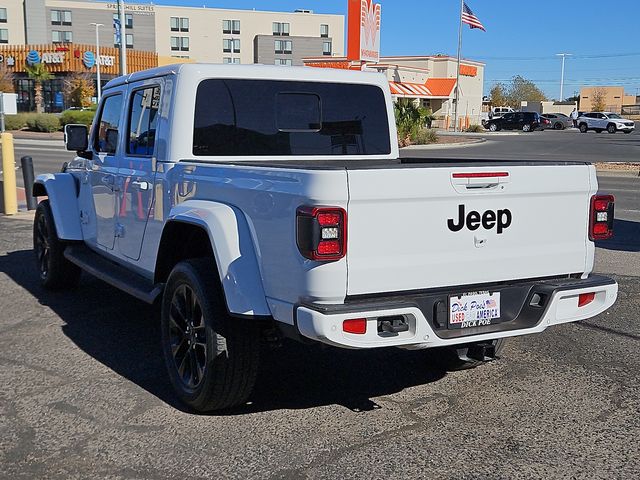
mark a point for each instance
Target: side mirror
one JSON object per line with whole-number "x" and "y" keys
{"x": 111, "y": 140}
{"x": 76, "y": 137}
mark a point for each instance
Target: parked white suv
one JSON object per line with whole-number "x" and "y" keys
{"x": 600, "y": 121}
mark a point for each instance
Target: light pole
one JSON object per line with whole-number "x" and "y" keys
{"x": 99, "y": 91}
{"x": 563, "y": 55}
{"x": 123, "y": 38}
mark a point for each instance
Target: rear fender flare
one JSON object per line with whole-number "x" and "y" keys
{"x": 61, "y": 188}
{"x": 234, "y": 251}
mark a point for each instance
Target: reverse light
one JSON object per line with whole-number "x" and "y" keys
{"x": 321, "y": 233}
{"x": 601, "y": 217}
{"x": 585, "y": 299}
{"x": 355, "y": 325}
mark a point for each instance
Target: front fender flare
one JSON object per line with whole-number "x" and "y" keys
{"x": 62, "y": 192}
{"x": 234, "y": 251}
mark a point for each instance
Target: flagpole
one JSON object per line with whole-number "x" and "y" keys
{"x": 455, "y": 114}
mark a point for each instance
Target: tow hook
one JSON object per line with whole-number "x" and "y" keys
{"x": 393, "y": 325}
{"x": 482, "y": 351}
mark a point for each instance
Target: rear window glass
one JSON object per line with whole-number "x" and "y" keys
{"x": 258, "y": 118}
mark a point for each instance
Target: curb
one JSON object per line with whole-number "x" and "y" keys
{"x": 436, "y": 146}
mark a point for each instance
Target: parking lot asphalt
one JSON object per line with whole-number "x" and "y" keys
{"x": 549, "y": 145}
{"x": 84, "y": 393}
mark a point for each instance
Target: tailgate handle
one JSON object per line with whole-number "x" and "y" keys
{"x": 479, "y": 180}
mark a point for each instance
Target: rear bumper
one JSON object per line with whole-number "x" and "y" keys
{"x": 323, "y": 323}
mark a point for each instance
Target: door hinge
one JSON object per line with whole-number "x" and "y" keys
{"x": 84, "y": 217}
{"x": 119, "y": 230}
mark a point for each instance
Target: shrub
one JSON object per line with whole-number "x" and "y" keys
{"x": 475, "y": 128}
{"x": 43, "y": 122}
{"x": 15, "y": 122}
{"x": 84, "y": 117}
{"x": 425, "y": 136}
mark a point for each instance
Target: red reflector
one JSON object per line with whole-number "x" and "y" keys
{"x": 585, "y": 299}
{"x": 600, "y": 229}
{"x": 328, "y": 219}
{"x": 356, "y": 325}
{"x": 329, "y": 248}
{"x": 481, "y": 175}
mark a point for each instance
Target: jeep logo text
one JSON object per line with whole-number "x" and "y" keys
{"x": 473, "y": 220}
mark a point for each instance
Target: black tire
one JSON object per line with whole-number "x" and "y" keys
{"x": 451, "y": 360}
{"x": 55, "y": 271}
{"x": 558, "y": 126}
{"x": 222, "y": 352}
{"x": 527, "y": 128}
{"x": 583, "y": 128}
{"x": 493, "y": 127}
{"x": 611, "y": 128}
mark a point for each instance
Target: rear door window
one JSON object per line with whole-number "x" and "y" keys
{"x": 259, "y": 118}
{"x": 143, "y": 117}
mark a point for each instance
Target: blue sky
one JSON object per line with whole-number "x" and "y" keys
{"x": 522, "y": 37}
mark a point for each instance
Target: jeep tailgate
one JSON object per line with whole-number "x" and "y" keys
{"x": 423, "y": 226}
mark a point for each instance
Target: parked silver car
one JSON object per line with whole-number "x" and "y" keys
{"x": 559, "y": 121}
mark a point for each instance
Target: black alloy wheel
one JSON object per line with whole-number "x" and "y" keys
{"x": 583, "y": 128}
{"x": 611, "y": 128}
{"x": 187, "y": 336}
{"x": 54, "y": 270}
{"x": 558, "y": 126}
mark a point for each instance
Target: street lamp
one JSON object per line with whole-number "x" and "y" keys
{"x": 98, "y": 25}
{"x": 563, "y": 55}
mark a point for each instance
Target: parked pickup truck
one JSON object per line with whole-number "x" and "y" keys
{"x": 255, "y": 203}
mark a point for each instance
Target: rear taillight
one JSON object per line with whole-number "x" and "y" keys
{"x": 321, "y": 233}
{"x": 601, "y": 217}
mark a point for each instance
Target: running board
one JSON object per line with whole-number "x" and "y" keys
{"x": 113, "y": 274}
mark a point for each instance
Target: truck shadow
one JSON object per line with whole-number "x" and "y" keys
{"x": 626, "y": 237}
{"x": 123, "y": 334}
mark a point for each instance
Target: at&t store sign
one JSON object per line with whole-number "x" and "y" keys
{"x": 34, "y": 57}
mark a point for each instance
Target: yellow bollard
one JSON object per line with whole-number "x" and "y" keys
{"x": 9, "y": 174}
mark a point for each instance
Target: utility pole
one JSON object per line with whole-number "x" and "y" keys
{"x": 98, "y": 80}
{"x": 123, "y": 38}
{"x": 563, "y": 55}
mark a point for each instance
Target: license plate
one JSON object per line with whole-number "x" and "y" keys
{"x": 474, "y": 309}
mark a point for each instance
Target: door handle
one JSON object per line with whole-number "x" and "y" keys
{"x": 140, "y": 185}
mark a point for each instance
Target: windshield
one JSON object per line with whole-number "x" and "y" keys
{"x": 613, "y": 115}
{"x": 269, "y": 117}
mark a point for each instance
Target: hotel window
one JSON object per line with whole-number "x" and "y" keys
{"x": 4, "y": 35}
{"x": 231, "y": 27}
{"x": 129, "y": 40}
{"x": 61, "y": 37}
{"x": 281, "y": 29}
{"x": 231, "y": 45}
{"x": 61, "y": 17}
{"x": 324, "y": 31}
{"x": 179, "y": 24}
{"x": 128, "y": 19}
{"x": 284, "y": 61}
{"x": 180, "y": 43}
{"x": 326, "y": 48}
{"x": 229, "y": 60}
{"x": 284, "y": 46}
{"x": 3, "y": 15}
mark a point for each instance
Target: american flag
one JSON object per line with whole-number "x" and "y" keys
{"x": 470, "y": 19}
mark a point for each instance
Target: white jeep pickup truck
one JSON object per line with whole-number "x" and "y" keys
{"x": 256, "y": 202}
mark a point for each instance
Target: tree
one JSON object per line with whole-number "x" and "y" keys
{"x": 498, "y": 95}
{"x": 598, "y": 100}
{"x": 523, "y": 90}
{"x": 39, "y": 74}
{"x": 410, "y": 118}
{"x": 6, "y": 80}
{"x": 78, "y": 90}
